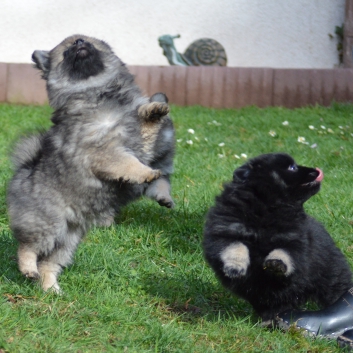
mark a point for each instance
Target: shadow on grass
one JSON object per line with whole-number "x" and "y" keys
{"x": 185, "y": 291}
{"x": 196, "y": 298}
{"x": 8, "y": 258}
{"x": 181, "y": 229}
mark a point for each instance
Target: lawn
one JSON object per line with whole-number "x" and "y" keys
{"x": 142, "y": 285}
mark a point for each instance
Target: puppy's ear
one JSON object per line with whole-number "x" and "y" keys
{"x": 42, "y": 61}
{"x": 241, "y": 174}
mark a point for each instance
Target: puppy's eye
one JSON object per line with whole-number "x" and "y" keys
{"x": 293, "y": 167}
{"x": 65, "y": 53}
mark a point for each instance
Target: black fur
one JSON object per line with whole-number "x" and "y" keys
{"x": 82, "y": 60}
{"x": 262, "y": 209}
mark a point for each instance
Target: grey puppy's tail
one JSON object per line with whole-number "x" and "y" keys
{"x": 27, "y": 152}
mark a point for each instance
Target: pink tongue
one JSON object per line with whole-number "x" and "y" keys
{"x": 320, "y": 176}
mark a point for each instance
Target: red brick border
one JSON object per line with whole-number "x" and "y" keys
{"x": 218, "y": 87}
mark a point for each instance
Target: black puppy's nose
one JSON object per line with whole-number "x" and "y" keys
{"x": 79, "y": 41}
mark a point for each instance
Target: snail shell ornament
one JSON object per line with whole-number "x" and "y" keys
{"x": 201, "y": 52}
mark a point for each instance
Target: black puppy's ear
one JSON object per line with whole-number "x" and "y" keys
{"x": 42, "y": 61}
{"x": 241, "y": 174}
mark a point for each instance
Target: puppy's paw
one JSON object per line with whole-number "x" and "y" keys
{"x": 146, "y": 175}
{"x": 276, "y": 267}
{"x": 153, "y": 111}
{"x": 105, "y": 221}
{"x": 159, "y": 191}
{"x": 153, "y": 174}
{"x": 279, "y": 263}
{"x": 166, "y": 202}
{"x": 33, "y": 275}
{"x": 233, "y": 272}
{"x": 54, "y": 288}
{"x": 236, "y": 260}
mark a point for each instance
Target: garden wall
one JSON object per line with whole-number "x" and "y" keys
{"x": 218, "y": 87}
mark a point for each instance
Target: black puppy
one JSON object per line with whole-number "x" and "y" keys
{"x": 264, "y": 247}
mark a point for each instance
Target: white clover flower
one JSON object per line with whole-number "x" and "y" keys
{"x": 314, "y": 145}
{"x": 285, "y": 123}
{"x": 179, "y": 140}
{"x": 237, "y": 157}
{"x": 221, "y": 144}
{"x": 311, "y": 127}
{"x": 189, "y": 142}
{"x": 191, "y": 131}
{"x": 196, "y": 138}
{"x": 323, "y": 127}
{"x": 340, "y": 127}
{"x": 272, "y": 133}
{"x": 330, "y": 131}
{"x": 243, "y": 155}
{"x": 221, "y": 155}
{"x": 301, "y": 139}
{"x": 206, "y": 139}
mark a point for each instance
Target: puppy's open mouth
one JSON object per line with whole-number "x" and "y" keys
{"x": 317, "y": 180}
{"x": 82, "y": 52}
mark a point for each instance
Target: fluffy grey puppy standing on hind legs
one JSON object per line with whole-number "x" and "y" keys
{"x": 108, "y": 146}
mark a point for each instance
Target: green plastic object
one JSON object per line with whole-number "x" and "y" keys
{"x": 201, "y": 52}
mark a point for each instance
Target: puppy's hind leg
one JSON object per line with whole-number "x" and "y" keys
{"x": 51, "y": 266}
{"x": 159, "y": 190}
{"x": 27, "y": 261}
{"x": 49, "y": 272}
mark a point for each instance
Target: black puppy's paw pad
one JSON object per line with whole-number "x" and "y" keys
{"x": 275, "y": 266}
{"x": 232, "y": 272}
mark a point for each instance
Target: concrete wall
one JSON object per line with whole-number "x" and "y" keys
{"x": 257, "y": 33}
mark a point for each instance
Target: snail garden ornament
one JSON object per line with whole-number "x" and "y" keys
{"x": 201, "y": 52}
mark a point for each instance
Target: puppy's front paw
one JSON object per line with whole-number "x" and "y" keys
{"x": 153, "y": 111}
{"x": 152, "y": 175}
{"x": 233, "y": 272}
{"x": 276, "y": 267}
{"x": 236, "y": 260}
{"x": 146, "y": 175}
{"x": 279, "y": 263}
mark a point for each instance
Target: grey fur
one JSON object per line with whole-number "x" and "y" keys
{"x": 108, "y": 146}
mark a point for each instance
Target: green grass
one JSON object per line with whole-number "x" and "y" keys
{"x": 142, "y": 285}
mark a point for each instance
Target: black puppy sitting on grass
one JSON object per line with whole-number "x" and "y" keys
{"x": 265, "y": 248}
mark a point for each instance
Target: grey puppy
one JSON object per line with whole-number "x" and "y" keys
{"x": 108, "y": 145}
